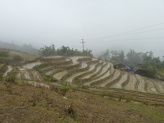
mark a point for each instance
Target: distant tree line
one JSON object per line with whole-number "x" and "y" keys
{"x": 146, "y": 60}
{"x": 63, "y": 51}
{"x": 25, "y": 48}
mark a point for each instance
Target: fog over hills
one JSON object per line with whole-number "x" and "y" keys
{"x": 102, "y": 24}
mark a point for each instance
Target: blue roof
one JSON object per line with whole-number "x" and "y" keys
{"x": 127, "y": 67}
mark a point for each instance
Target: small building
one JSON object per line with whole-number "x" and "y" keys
{"x": 122, "y": 66}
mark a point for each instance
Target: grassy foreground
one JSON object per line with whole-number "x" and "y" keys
{"x": 21, "y": 103}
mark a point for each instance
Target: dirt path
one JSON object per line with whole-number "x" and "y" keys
{"x": 31, "y": 65}
{"x": 141, "y": 86}
{"x": 36, "y": 84}
{"x": 123, "y": 79}
{"x": 117, "y": 73}
{"x": 132, "y": 83}
{"x": 36, "y": 76}
{"x": 59, "y": 75}
{"x": 9, "y": 69}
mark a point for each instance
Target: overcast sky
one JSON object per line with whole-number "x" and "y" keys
{"x": 66, "y": 22}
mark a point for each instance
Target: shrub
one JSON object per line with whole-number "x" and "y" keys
{"x": 63, "y": 89}
{"x": 11, "y": 77}
{"x": 1, "y": 75}
{"x": 17, "y": 58}
{"x": 4, "y": 53}
{"x": 145, "y": 103}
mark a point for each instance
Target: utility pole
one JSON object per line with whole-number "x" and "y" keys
{"x": 83, "y": 46}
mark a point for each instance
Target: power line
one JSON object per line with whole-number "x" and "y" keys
{"x": 132, "y": 30}
{"x": 144, "y": 31}
{"x": 134, "y": 39}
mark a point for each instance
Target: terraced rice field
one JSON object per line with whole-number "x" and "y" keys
{"x": 103, "y": 71}
{"x": 67, "y": 59}
{"x": 75, "y": 75}
{"x": 92, "y": 66}
{"x": 132, "y": 83}
{"x": 31, "y": 65}
{"x": 18, "y": 76}
{"x": 111, "y": 70}
{"x": 104, "y": 76}
{"x": 116, "y": 75}
{"x": 161, "y": 82}
{"x": 36, "y": 76}
{"x": 84, "y": 64}
{"x": 52, "y": 57}
{"x": 150, "y": 86}
{"x": 75, "y": 58}
{"x": 9, "y": 69}
{"x": 59, "y": 75}
{"x": 158, "y": 86}
{"x": 94, "y": 59}
{"x": 123, "y": 79}
{"x": 141, "y": 86}
{"x": 26, "y": 74}
{"x": 48, "y": 73}
{"x": 89, "y": 75}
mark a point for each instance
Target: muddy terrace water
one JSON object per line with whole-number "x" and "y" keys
{"x": 31, "y": 65}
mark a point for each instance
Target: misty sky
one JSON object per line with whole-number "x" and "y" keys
{"x": 66, "y": 22}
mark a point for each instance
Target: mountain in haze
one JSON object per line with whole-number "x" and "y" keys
{"x": 25, "y": 48}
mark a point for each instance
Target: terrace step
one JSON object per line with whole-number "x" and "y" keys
{"x": 141, "y": 86}
{"x": 91, "y": 68}
{"x": 150, "y": 86}
{"x": 103, "y": 77}
{"x": 122, "y": 80}
{"x": 75, "y": 59}
{"x": 31, "y": 65}
{"x": 26, "y": 74}
{"x": 158, "y": 86}
{"x": 116, "y": 75}
{"x": 104, "y": 70}
{"x": 36, "y": 76}
{"x": 48, "y": 73}
{"x": 70, "y": 79}
{"x": 132, "y": 83}
{"x": 89, "y": 75}
{"x": 59, "y": 75}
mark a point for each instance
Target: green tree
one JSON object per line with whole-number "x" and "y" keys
{"x": 133, "y": 56}
{"x": 105, "y": 55}
{"x": 17, "y": 58}
{"x": 47, "y": 50}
